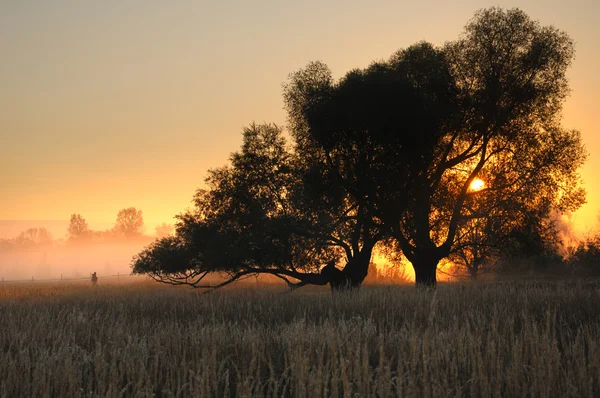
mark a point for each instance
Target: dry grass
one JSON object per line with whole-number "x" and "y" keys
{"x": 510, "y": 339}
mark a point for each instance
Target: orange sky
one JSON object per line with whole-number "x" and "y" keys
{"x": 106, "y": 105}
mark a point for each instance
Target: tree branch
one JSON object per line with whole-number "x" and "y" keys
{"x": 445, "y": 247}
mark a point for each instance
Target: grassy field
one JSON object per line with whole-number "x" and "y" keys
{"x": 503, "y": 339}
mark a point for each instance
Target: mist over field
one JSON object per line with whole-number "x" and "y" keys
{"x": 54, "y": 257}
{"x": 55, "y": 249}
{"x": 69, "y": 261}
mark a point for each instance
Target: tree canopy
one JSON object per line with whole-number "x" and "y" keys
{"x": 387, "y": 155}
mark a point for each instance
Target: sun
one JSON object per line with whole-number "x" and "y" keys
{"x": 477, "y": 185}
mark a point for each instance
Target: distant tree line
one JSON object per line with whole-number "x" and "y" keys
{"x": 129, "y": 226}
{"x": 452, "y": 153}
{"x": 40, "y": 237}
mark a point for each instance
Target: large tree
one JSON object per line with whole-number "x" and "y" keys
{"x": 510, "y": 75}
{"x": 429, "y": 121}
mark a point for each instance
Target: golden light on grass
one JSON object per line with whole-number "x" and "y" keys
{"x": 477, "y": 185}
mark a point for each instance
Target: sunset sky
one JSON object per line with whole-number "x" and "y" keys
{"x": 112, "y": 104}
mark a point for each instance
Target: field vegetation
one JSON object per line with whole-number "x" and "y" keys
{"x": 526, "y": 338}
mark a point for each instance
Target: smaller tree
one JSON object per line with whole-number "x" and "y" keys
{"x": 78, "y": 227}
{"x": 533, "y": 246}
{"x": 507, "y": 244}
{"x": 130, "y": 222}
{"x": 476, "y": 248}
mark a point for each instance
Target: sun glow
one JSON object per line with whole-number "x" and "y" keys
{"x": 477, "y": 185}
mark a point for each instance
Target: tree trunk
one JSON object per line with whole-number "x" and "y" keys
{"x": 473, "y": 274}
{"x": 353, "y": 274}
{"x": 425, "y": 271}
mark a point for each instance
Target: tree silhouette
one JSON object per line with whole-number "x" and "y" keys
{"x": 387, "y": 155}
{"x": 130, "y": 222}
{"x": 429, "y": 121}
{"x": 251, "y": 221}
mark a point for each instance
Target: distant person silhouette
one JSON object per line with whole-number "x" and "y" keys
{"x": 94, "y": 278}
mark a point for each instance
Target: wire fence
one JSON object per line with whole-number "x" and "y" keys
{"x": 118, "y": 276}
